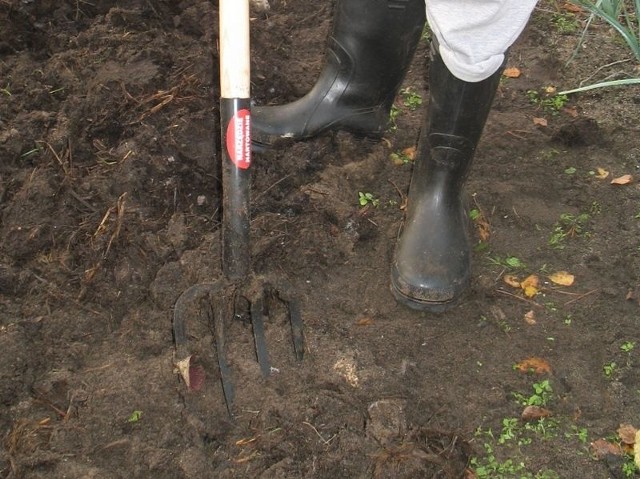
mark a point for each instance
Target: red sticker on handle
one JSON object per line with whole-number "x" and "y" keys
{"x": 239, "y": 139}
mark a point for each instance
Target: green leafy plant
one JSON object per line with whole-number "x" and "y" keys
{"x": 510, "y": 262}
{"x": 135, "y": 416}
{"x": 542, "y": 392}
{"x": 411, "y": 99}
{"x": 610, "y": 369}
{"x": 393, "y": 117}
{"x": 549, "y": 102}
{"x": 565, "y": 23}
{"x": 627, "y": 346}
{"x": 367, "y": 199}
{"x": 568, "y": 226}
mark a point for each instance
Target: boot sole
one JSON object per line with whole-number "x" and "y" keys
{"x": 424, "y": 306}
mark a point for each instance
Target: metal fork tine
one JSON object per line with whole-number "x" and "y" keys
{"x": 257, "y": 322}
{"x": 218, "y": 313}
{"x": 295, "y": 318}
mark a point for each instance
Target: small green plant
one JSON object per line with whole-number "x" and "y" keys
{"x": 5, "y": 90}
{"x": 579, "y": 433}
{"x": 627, "y": 346}
{"x": 135, "y": 416}
{"x": 489, "y": 467}
{"x": 565, "y": 23}
{"x": 426, "y": 33}
{"x": 568, "y": 226}
{"x": 542, "y": 392}
{"x": 549, "y": 102}
{"x": 411, "y": 99}
{"x": 367, "y": 199}
{"x": 393, "y": 117}
{"x": 629, "y": 467}
{"x": 509, "y": 429}
{"x": 609, "y": 369}
{"x": 510, "y": 262}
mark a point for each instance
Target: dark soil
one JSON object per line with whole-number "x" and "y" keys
{"x": 109, "y": 210}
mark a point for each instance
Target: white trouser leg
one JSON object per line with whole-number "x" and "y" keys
{"x": 475, "y": 34}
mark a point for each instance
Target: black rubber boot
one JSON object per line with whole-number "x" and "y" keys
{"x": 431, "y": 266}
{"x": 369, "y": 51}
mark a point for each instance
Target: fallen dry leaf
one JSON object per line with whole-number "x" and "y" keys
{"x": 636, "y": 449}
{"x": 511, "y": 280}
{"x": 192, "y": 375}
{"x": 627, "y": 433}
{"x": 572, "y": 111}
{"x": 366, "y": 321}
{"x": 601, "y": 173}
{"x": 196, "y": 377}
{"x": 533, "y": 413}
{"x": 550, "y": 90}
{"x": 533, "y": 364}
{"x": 530, "y": 318}
{"x": 410, "y": 152}
{"x": 601, "y": 448}
{"x": 183, "y": 369}
{"x": 530, "y": 286}
{"x": 540, "y": 121}
{"x": 512, "y": 72}
{"x": 622, "y": 180}
{"x": 562, "y": 278}
{"x": 570, "y": 7}
{"x": 484, "y": 230}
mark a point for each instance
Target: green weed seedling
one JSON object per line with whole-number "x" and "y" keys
{"x": 135, "y": 416}
{"x": 510, "y": 262}
{"x": 627, "y": 346}
{"x": 411, "y": 99}
{"x": 542, "y": 392}
{"x": 367, "y": 199}
{"x": 548, "y": 103}
{"x": 393, "y": 117}
{"x": 568, "y": 226}
{"x": 565, "y": 23}
{"x": 610, "y": 369}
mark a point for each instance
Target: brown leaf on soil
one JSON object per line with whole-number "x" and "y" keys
{"x": 622, "y": 180}
{"x": 540, "y": 121}
{"x": 570, "y": 7}
{"x": 537, "y": 365}
{"x": 196, "y": 377}
{"x": 410, "y": 152}
{"x": 572, "y": 111}
{"x": 562, "y": 278}
{"x": 469, "y": 474}
{"x": 183, "y": 368}
{"x": 511, "y": 280}
{"x": 601, "y": 448}
{"x": 530, "y": 286}
{"x": 484, "y": 230}
{"x": 601, "y": 173}
{"x": 192, "y": 375}
{"x": 533, "y": 413}
{"x": 366, "y": 321}
{"x": 627, "y": 433}
{"x": 530, "y": 318}
{"x": 512, "y": 72}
